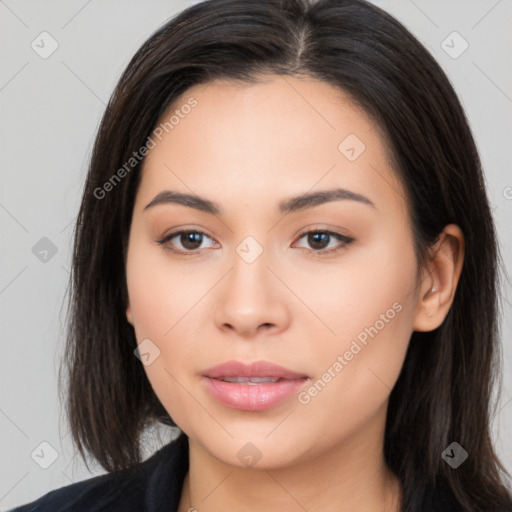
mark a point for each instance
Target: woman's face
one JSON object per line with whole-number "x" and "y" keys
{"x": 254, "y": 284}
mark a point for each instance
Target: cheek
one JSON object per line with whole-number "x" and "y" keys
{"x": 160, "y": 297}
{"x": 371, "y": 308}
{"x": 161, "y": 292}
{"x": 167, "y": 300}
{"x": 366, "y": 286}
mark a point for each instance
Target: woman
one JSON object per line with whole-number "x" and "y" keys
{"x": 285, "y": 249}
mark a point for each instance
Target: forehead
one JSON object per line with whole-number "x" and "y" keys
{"x": 283, "y": 133}
{"x": 283, "y": 112}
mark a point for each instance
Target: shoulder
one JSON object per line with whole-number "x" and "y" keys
{"x": 439, "y": 498}
{"x": 442, "y": 499}
{"x": 157, "y": 480}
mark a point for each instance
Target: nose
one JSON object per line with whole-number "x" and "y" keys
{"x": 251, "y": 300}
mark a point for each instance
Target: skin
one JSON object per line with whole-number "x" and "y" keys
{"x": 248, "y": 147}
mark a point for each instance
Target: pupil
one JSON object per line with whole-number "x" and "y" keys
{"x": 314, "y": 240}
{"x": 191, "y": 240}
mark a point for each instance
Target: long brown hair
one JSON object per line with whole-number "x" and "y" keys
{"x": 445, "y": 388}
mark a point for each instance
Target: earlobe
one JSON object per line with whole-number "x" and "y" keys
{"x": 129, "y": 315}
{"x": 440, "y": 280}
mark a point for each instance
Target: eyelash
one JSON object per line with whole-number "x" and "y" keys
{"x": 345, "y": 240}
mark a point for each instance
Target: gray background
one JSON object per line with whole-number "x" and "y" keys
{"x": 50, "y": 109}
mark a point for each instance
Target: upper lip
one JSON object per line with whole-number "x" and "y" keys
{"x": 255, "y": 369}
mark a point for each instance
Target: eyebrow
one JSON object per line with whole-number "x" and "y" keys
{"x": 294, "y": 204}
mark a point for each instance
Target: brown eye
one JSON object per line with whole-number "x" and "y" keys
{"x": 319, "y": 241}
{"x": 189, "y": 242}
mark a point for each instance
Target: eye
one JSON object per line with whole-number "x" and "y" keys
{"x": 321, "y": 239}
{"x": 190, "y": 241}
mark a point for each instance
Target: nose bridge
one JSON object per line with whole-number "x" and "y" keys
{"x": 249, "y": 281}
{"x": 250, "y": 297}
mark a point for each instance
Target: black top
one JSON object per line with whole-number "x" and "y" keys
{"x": 152, "y": 486}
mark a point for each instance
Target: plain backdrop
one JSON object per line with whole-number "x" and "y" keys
{"x": 50, "y": 110}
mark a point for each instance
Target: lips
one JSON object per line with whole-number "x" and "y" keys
{"x": 258, "y": 369}
{"x": 252, "y": 387}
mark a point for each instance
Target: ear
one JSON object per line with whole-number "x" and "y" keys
{"x": 129, "y": 315}
{"x": 440, "y": 279}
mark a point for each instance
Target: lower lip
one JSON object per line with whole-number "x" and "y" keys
{"x": 257, "y": 397}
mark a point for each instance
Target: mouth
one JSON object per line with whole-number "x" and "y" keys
{"x": 252, "y": 387}
{"x": 251, "y": 381}
{"x": 252, "y": 371}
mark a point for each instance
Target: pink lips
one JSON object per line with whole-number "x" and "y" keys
{"x": 255, "y": 396}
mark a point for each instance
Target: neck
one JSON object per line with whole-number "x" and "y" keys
{"x": 349, "y": 477}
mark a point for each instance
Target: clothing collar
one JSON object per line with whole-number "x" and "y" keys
{"x": 164, "y": 486}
